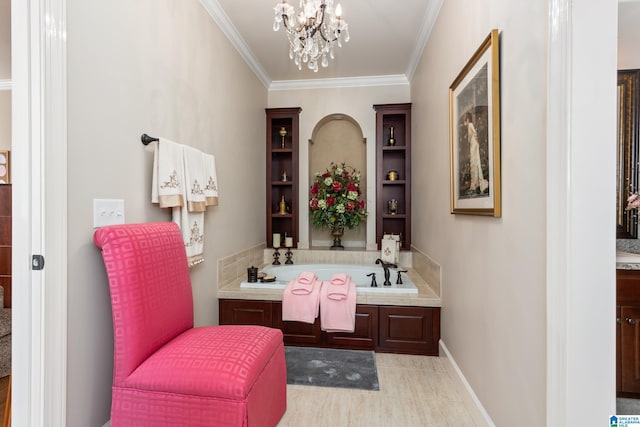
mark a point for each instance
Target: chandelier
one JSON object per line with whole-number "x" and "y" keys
{"x": 312, "y": 32}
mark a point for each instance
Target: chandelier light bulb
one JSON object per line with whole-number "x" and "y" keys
{"x": 313, "y": 31}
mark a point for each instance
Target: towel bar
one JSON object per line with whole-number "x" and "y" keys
{"x": 146, "y": 139}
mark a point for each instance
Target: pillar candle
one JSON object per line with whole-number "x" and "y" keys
{"x": 276, "y": 240}
{"x": 288, "y": 242}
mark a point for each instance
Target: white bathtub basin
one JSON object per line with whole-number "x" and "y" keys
{"x": 285, "y": 273}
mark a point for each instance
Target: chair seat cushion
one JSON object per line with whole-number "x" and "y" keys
{"x": 210, "y": 361}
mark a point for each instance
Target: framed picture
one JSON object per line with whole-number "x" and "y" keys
{"x": 5, "y": 171}
{"x": 474, "y": 120}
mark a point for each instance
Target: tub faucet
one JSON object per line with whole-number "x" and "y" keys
{"x": 387, "y": 274}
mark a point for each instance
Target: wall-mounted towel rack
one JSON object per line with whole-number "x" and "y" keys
{"x": 146, "y": 139}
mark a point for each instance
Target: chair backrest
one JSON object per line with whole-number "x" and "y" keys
{"x": 151, "y": 296}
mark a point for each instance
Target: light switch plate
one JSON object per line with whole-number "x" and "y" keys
{"x": 108, "y": 212}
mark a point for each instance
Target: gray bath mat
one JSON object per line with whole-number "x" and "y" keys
{"x": 328, "y": 367}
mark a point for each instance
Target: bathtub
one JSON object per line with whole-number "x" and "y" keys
{"x": 285, "y": 273}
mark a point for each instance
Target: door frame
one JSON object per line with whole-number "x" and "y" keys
{"x": 39, "y": 168}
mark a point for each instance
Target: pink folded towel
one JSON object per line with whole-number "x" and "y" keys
{"x": 306, "y": 278}
{"x": 301, "y": 307}
{"x": 340, "y": 278}
{"x": 338, "y": 315}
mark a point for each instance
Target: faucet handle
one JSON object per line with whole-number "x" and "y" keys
{"x": 373, "y": 280}
{"x": 399, "y": 280}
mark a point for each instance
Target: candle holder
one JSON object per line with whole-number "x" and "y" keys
{"x": 283, "y": 133}
{"x": 276, "y": 257}
{"x": 289, "y": 255}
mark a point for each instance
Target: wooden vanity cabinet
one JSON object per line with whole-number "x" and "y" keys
{"x": 628, "y": 332}
{"x": 388, "y": 329}
{"x": 5, "y": 242}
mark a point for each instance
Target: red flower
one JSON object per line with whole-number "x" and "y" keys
{"x": 336, "y": 186}
{"x": 331, "y": 200}
{"x": 361, "y": 204}
{"x": 313, "y": 204}
{"x": 350, "y": 206}
{"x": 326, "y": 175}
{"x": 315, "y": 189}
{"x": 352, "y": 187}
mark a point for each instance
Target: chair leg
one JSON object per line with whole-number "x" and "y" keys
{"x": 6, "y": 422}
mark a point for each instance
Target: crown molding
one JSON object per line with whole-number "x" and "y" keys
{"x": 430, "y": 16}
{"x": 5, "y": 84}
{"x": 342, "y": 82}
{"x": 220, "y": 17}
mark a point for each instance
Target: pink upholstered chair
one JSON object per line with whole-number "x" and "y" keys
{"x": 166, "y": 372}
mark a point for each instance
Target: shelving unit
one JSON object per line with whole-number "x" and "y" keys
{"x": 395, "y": 156}
{"x": 282, "y": 157}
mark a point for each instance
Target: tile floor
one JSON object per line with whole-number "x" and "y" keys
{"x": 418, "y": 391}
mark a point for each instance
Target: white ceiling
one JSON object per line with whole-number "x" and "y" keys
{"x": 386, "y": 40}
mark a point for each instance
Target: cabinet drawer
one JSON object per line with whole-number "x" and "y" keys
{"x": 5, "y": 230}
{"x": 245, "y": 312}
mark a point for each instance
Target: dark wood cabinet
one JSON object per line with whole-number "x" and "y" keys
{"x": 282, "y": 173}
{"x": 245, "y": 312}
{"x": 411, "y": 329}
{"x": 5, "y": 241}
{"x": 393, "y": 171}
{"x": 628, "y": 333}
{"x": 391, "y": 329}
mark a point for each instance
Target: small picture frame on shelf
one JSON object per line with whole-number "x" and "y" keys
{"x": 474, "y": 120}
{"x": 5, "y": 168}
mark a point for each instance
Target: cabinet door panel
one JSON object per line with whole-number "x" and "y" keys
{"x": 630, "y": 349}
{"x": 296, "y": 333}
{"x": 245, "y": 312}
{"x": 410, "y": 329}
{"x": 365, "y": 335}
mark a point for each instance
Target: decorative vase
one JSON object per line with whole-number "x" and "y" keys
{"x": 337, "y": 233}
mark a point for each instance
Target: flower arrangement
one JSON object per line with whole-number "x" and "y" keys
{"x": 633, "y": 202}
{"x": 334, "y": 201}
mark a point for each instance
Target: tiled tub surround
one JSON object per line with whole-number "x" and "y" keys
{"x": 422, "y": 271}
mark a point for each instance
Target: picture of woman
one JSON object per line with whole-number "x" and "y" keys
{"x": 478, "y": 183}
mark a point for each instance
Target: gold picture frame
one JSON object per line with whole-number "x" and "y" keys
{"x": 474, "y": 121}
{"x": 5, "y": 167}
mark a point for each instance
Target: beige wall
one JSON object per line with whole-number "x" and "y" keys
{"x": 5, "y": 39}
{"x": 5, "y": 119}
{"x": 355, "y": 102}
{"x": 628, "y": 35}
{"x": 5, "y": 74}
{"x": 164, "y": 68}
{"x": 493, "y": 269}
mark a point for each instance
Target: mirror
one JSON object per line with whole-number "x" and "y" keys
{"x": 627, "y": 156}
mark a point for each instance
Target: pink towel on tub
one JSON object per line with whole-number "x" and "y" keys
{"x": 302, "y": 285}
{"x": 301, "y": 307}
{"x": 340, "y": 279}
{"x": 338, "y": 315}
{"x": 336, "y": 289}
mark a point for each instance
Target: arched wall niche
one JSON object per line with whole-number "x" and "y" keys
{"x": 338, "y": 138}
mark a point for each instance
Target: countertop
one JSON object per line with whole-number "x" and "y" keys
{"x": 627, "y": 261}
{"x": 426, "y": 296}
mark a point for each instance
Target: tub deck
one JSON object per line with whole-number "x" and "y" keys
{"x": 425, "y": 297}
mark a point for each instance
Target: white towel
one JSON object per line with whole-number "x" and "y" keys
{"x": 194, "y": 179}
{"x": 192, "y": 227}
{"x": 211, "y": 187}
{"x": 167, "y": 187}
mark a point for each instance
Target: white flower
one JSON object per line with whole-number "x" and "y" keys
{"x": 328, "y": 181}
{"x": 340, "y": 208}
{"x": 352, "y": 195}
{"x": 322, "y": 204}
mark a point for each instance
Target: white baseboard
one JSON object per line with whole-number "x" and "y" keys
{"x": 471, "y": 394}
